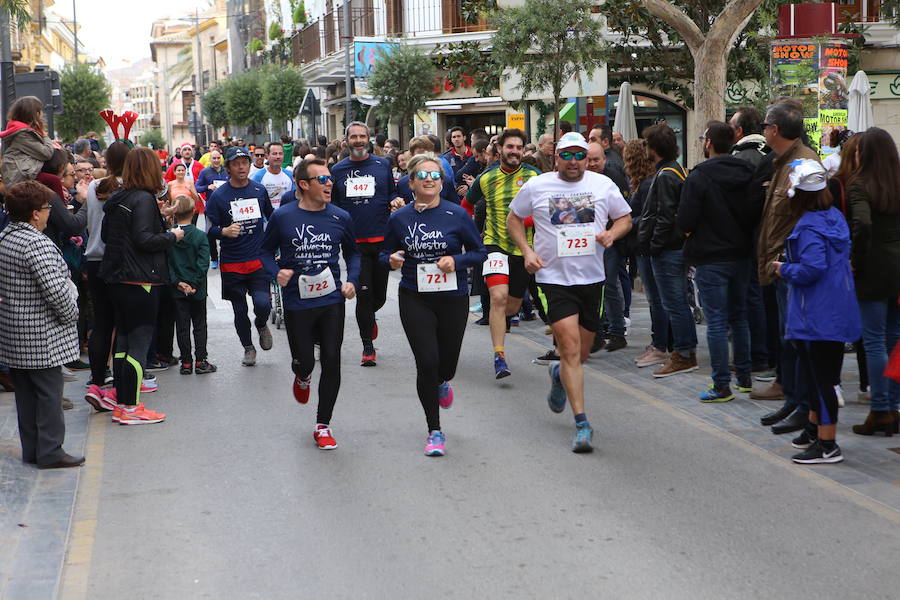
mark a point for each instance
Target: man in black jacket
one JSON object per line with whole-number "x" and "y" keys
{"x": 660, "y": 236}
{"x": 716, "y": 214}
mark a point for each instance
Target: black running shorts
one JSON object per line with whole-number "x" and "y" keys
{"x": 567, "y": 300}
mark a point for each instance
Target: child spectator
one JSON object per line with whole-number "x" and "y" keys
{"x": 188, "y": 264}
{"x": 25, "y": 145}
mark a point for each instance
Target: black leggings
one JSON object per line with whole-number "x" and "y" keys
{"x": 324, "y": 324}
{"x": 434, "y": 326}
{"x": 190, "y": 312}
{"x": 100, "y": 344}
{"x": 136, "y": 308}
{"x": 819, "y": 364}
{"x": 373, "y": 280}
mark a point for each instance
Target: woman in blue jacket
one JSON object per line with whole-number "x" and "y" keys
{"x": 822, "y": 312}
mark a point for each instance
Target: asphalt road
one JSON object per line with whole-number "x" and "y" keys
{"x": 229, "y": 498}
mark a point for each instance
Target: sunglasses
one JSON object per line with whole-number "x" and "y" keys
{"x": 322, "y": 179}
{"x": 581, "y": 155}
{"x": 258, "y": 155}
{"x": 435, "y": 175}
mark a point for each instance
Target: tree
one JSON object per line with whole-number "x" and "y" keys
{"x": 214, "y": 106}
{"x": 153, "y": 138}
{"x": 85, "y": 93}
{"x": 709, "y": 37}
{"x": 549, "y": 42}
{"x": 19, "y": 11}
{"x": 242, "y": 104}
{"x": 402, "y": 81}
{"x": 282, "y": 94}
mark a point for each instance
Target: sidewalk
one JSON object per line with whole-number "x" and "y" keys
{"x": 871, "y": 465}
{"x": 36, "y": 506}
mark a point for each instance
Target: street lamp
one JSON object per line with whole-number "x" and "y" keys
{"x": 166, "y": 101}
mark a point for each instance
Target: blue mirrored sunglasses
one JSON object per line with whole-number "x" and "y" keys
{"x": 322, "y": 179}
{"x": 435, "y": 175}
{"x": 581, "y": 155}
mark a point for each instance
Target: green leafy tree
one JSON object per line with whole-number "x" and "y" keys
{"x": 214, "y": 106}
{"x": 242, "y": 102}
{"x": 85, "y": 92}
{"x": 298, "y": 12}
{"x": 468, "y": 62}
{"x": 153, "y": 138}
{"x": 548, "y": 42}
{"x": 402, "y": 81}
{"x": 275, "y": 32}
{"x": 19, "y": 11}
{"x": 282, "y": 94}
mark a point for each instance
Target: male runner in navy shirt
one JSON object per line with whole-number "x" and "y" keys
{"x": 364, "y": 187}
{"x": 235, "y": 211}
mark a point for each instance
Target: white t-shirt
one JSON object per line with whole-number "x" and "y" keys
{"x": 560, "y": 207}
{"x": 276, "y": 185}
{"x": 254, "y": 169}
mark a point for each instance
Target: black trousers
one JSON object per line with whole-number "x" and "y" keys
{"x": 100, "y": 345}
{"x": 136, "y": 310}
{"x": 434, "y": 326}
{"x": 190, "y": 313}
{"x": 372, "y": 293}
{"x": 325, "y": 325}
{"x": 819, "y": 365}
{"x": 42, "y": 427}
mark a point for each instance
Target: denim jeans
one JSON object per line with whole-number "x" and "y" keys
{"x": 756, "y": 319}
{"x": 881, "y": 330}
{"x": 723, "y": 295}
{"x": 659, "y": 321}
{"x": 671, "y": 280}
{"x": 794, "y": 387}
{"x": 613, "y": 303}
{"x": 625, "y": 285}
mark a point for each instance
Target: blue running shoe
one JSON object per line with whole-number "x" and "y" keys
{"x": 213, "y": 264}
{"x": 557, "y": 396}
{"x": 501, "y": 369}
{"x": 712, "y": 395}
{"x": 583, "y": 436}
{"x": 435, "y": 444}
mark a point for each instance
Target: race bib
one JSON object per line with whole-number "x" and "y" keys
{"x": 496, "y": 264}
{"x": 576, "y": 240}
{"x": 361, "y": 187}
{"x": 431, "y": 279}
{"x": 245, "y": 210}
{"x": 316, "y": 286}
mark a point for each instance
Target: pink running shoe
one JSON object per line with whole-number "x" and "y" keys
{"x": 445, "y": 395}
{"x": 435, "y": 444}
{"x": 94, "y": 397}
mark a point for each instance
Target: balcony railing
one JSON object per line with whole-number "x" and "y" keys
{"x": 395, "y": 18}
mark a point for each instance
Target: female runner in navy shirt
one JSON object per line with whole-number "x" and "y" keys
{"x": 433, "y": 241}
{"x": 310, "y": 235}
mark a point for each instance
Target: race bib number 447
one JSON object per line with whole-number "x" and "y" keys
{"x": 245, "y": 210}
{"x": 361, "y": 187}
{"x": 576, "y": 240}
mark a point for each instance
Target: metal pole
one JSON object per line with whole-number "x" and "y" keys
{"x": 348, "y": 39}
{"x": 75, "y": 30}
{"x": 199, "y": 100}
{"x": 8, "y": 91}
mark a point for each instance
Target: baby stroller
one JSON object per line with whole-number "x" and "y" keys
{"x": 277, "y": 305}
{"x": 694, "y": 296}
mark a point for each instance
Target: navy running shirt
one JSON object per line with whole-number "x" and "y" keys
{"x": 445, "y": 230}
{"x": 219, "y": 205}
{"x": 308, "y": 241}
{"x": 365, "y": 189}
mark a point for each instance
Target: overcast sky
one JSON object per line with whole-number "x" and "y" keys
{"x": 118, "y": 30}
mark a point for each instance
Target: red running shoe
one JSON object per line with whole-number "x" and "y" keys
{"x": 368, "y": 358}
{"x": 323, "y": 437}
{"x": 301, "y": 389}
{"x": 375, "y": 330}
{"x": 95, "y": 397}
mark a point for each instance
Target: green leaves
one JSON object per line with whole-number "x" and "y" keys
{"x": 242, "y": 99}
{"x": 153, "y": 138}
{"x": 19, "y": 11}
{"x": 402, "y": 81}
{"x": 85, "y": 92}
{"x": 459, "y": 60}
{"x": 214, "y": 106}
{"x": 253, "y": 97}
{"x": 282, "y": 93}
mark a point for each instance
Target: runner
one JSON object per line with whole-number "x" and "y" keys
{"x": 570, "y": 209}
{"x": 504, "y": 272}
{"x": 364, "y": 187}
{"x": 235, "y": 212}
{"x": 276, "y": 180}
{"x": 426, "y": 240}
{"x": 310, "y": 233}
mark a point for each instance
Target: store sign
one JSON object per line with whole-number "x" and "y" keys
{"x": 884, "y": 86}
{"x": 366, "y": 54}
{"x": 515, "y": 121}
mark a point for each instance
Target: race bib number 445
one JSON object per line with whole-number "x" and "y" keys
{"x": 431, "y": 279}
{"x": 316, "y": 286}
{"x": 576, "y": 240}
{"x": 361, "y": 187}
{"x": 245, "y": 210}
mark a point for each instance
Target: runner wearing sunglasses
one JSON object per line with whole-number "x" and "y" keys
{"x": 433, "y": 242}
{"x": 504, "y": 271}
{"x": 570, "y": 209}
{"x": 364, "y": 187}
{"x": 309, "y": 233}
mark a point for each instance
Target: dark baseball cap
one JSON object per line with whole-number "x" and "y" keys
{"x": 236, "y": 152}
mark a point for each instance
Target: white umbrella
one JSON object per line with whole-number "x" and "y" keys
{"x": 625, "y": 123}
{"x": 859, "y": 107}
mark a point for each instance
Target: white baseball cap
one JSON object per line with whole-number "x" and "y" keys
{"x": 807, "y": 175}
{"x": 571, "y": 140}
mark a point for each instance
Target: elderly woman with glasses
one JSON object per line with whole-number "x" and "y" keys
{"x": 39, "y": 314}
{"x": 432, "y": 241}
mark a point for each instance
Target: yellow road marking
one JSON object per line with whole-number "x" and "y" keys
{"x": 80, "y": 550}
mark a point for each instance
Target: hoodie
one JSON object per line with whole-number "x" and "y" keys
{"x": 24, "y": 152}
{"x": 716, "y": 212}
{"x": 822, "y": 302}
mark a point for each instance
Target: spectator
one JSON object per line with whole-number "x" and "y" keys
{"x": 25, "y": 145}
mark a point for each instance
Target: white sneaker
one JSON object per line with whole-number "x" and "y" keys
{"x": 68, "y": 374}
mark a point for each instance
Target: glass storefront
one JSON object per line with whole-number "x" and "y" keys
{"x": 650, "y": 110}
